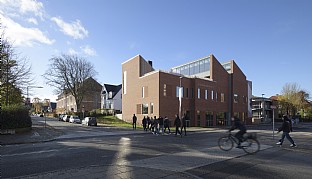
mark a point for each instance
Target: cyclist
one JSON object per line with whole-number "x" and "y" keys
{"x": 237, "y": 124}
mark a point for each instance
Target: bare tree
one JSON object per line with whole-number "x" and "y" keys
{"x": 15, "y": 72}
{"x": 68, "y": 73}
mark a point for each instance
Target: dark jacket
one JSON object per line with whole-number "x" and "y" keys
{"x": 237, "y": 124}
{"x": 286, "y": 126}
{"x": 177, "y": 121}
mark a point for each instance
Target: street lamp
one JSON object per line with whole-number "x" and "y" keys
{"x": 27, "y": 98}
{"x": 263, "y": 110}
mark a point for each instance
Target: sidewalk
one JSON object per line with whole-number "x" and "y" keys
{"x": 38, "y": 133}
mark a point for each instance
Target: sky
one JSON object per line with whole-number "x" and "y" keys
{"x": 270, "y": 40}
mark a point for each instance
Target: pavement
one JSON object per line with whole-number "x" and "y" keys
{"x": 144, "y": 168}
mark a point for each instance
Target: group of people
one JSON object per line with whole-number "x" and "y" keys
{"x": 160, "y": 125}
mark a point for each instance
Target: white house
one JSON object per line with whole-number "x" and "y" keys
{"x": 111, "y": 97}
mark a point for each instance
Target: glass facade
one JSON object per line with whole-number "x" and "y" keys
{"x": 193, "y": 68}
{"x": 227, "y": 66}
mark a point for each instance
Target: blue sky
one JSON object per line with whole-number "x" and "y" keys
{"x": 270, "y": 40}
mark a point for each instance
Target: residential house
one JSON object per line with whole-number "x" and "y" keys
{"x": 111, "y": 97}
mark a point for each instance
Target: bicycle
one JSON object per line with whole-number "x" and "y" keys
{"x": 250, "y": 143}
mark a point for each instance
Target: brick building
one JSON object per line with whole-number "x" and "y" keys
{"x": 92, "y": 99}
{"x": 207, "y": 91}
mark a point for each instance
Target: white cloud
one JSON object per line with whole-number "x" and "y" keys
{"x": 33, "y": 7}
{"x": 72, "y": 51}
{"x": 88, "y": 50}
{"x": 32, "y": 20}
{"x": 22, "y": 36}
{"x": 74, "y": 29}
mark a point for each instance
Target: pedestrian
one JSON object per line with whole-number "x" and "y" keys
{"x": 148, "y": 122}
{"x": 177, "y": 124}
{"x": 166, "y": 124}
{"x": 156, "y": 127}
{"x": 161, "y": 124}
{"x": 184, "y": 119}
{"x": 144, "y": 122}
{"x": 237, "y": 124}
{"x": 286, "y": 128}
{"x": 134, "y": 120}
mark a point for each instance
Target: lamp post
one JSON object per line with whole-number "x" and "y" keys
{"x": 180, "y": 97}
{"x": 27, "y": 98}
{"x": 263, "y": 110}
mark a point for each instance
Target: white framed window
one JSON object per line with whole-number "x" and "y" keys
{"x": 206, "y": 94}
{"x": 143, "y": 89}
{"x": 144, "y": 108}
{"x": 124, "y": 86}
{"x": 222, "y": 97}
{"x": 198, "y": 93}
{"x": 212, "y": 94}
{"x": 235, "y": 98}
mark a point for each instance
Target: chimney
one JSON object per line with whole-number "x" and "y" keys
{"x": 151, "y": 63}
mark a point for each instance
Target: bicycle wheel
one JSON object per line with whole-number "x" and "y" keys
{"x": 225, "y": 143}
{"x": 252, "y": 146}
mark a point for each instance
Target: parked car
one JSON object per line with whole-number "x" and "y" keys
{"x": 90, "y": 121}
{"x": 74, "y": 119}
{"x": 66, "y": 118}
{"x": 61, "y": 117}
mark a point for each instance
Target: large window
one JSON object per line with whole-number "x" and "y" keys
{"x": 144, "y": 108}
{"x": 193, "y": 68}
{"x": 212, "y": 95}
{"x": 198, "y": 93}
{"x": 221, "y": 119}
{"x": 206, "y": 94}
{"x": 209, "y": 119}
{"x": 178, "y": 91}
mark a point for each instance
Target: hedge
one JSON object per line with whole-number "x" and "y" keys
{"x": 14, "y": 116}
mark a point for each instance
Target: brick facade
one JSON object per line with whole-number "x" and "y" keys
{"x": 208, "y": 101}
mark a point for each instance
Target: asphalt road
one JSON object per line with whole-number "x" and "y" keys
{"x": 128, "y": 154}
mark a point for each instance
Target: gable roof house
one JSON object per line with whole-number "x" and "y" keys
{"x": 92, "y": 99}
{"x": 111, "y": 97}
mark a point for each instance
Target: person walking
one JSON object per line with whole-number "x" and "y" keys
{"x": 286, "y": 128}
{"x": 184, "y": 118}
{"x": 134, "y": 120}
{"x": 148, "y": 119}
{"x": 166, "y": 124}
{"x": 161, "y": 124}
{"x": 177, "y": 123}
{"x": 144, "y": 122}
{"x": 156, "y": 127}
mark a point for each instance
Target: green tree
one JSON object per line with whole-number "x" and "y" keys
{"x": 15, "y": 73}
{"x": 293, "y": 99}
